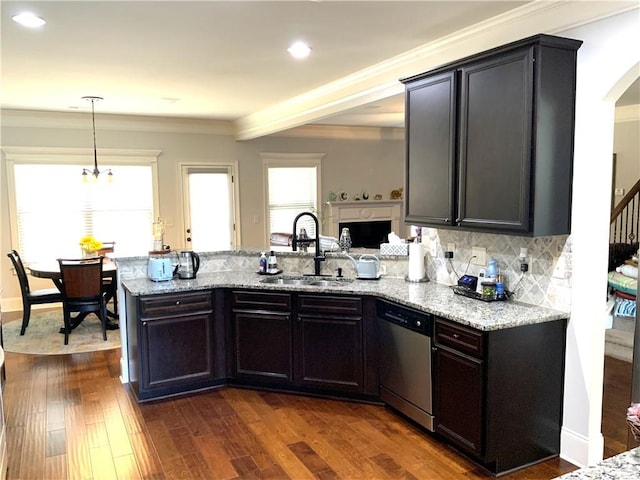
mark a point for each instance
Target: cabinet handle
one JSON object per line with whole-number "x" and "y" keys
{"x": 177, "y": 302}
{"x": 446, "y": 220}
{"x": 458, "y": 220}
{"x": 434, "y": 349}
{"x": 144, "y": 324}
{"x": 456, "y": 336}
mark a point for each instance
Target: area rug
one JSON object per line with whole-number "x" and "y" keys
{"x": 43, "y": 338}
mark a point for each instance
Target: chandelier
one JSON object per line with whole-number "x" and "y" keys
{"x": 96, "y": 172}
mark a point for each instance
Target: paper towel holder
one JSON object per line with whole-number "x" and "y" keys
{"x": 419, "y": 280}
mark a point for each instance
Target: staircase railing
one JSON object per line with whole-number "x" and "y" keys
{"x": 625, "y": 219}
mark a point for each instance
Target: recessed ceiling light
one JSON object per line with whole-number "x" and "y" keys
{"x": 28, "y": 19}
{"x": 299, "y": 50}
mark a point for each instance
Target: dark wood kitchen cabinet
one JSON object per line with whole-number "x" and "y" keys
{"x": 172, "y": 343}
{"x": 262, "y": 337}
{"x": 314, "y": 343}
{"x": 489, "y": 140}
{"x": 498, "y": 394}
{"x": 331, "y": 342}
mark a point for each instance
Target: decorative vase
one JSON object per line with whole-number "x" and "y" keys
{"x": 345, "y": 240}
{"x": 88, "y": 253}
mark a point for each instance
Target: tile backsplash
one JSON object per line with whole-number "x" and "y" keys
{"x": 547, "y": 283}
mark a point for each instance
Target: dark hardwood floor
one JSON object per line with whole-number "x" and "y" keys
{"x": 68, "y": 416}
{"x": 615, "y": 400}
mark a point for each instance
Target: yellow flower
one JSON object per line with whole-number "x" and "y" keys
{"x": 87, "y": 239}
{"x": 90, "y": 244}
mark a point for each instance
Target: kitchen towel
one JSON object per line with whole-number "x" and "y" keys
{"x": 416, "y": 261}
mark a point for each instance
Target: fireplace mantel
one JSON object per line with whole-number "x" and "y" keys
{"x": 365, "y": 211}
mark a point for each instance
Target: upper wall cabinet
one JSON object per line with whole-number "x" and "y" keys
{"x": 490, "y": 140}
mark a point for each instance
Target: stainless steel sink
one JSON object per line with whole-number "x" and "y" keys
{"x": 307, "y": 282}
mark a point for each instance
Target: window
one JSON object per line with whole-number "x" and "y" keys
{"x": 52, "y": 208}
{"x": 293, "y": 186}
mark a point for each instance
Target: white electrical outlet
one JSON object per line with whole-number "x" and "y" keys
{"x": 479, "y": 256}
{"x": 451, "y": 247}
{"x": 619, "y": 191}
{"x": 559, "y": 268}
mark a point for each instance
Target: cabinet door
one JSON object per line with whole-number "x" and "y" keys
{"x": 495, "y": 143}
{"x": 331, "y": 352}
{"x": 430, "y": 157}
{"x": 458, "y": 399}
{"x": 262, "y": 346}
{"x": 176, "y": 351}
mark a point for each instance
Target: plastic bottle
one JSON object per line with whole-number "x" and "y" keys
{"x": 492, "y": 269}
{"x": 272, "y": 263}
{"x": 263, "y": 263}
{"x": 482, "y": 276}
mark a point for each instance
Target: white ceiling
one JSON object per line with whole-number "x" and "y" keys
{"x": 221, "y": 60}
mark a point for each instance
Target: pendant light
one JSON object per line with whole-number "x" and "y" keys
{"x": 96, "y": 172}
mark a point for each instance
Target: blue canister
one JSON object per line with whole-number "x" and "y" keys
{"x": 500, "y": 291}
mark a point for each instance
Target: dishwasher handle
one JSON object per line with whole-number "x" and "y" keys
{"x": 417, "y": 321}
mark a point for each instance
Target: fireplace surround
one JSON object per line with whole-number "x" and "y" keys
{"x": 371, "y": 212}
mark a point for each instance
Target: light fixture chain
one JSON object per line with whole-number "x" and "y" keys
{"x": 95, "y": 172}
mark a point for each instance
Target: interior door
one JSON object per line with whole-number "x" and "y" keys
{"x": 209, "y": 217}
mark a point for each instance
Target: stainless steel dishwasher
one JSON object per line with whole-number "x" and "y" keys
{"x": 405, "y": 361}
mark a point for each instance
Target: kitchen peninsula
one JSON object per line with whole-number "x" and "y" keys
{"x": 497, "y": 367}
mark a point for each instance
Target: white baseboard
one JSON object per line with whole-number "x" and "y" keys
{"x": 580, "y": 450}
{"x": 124, "y": 370}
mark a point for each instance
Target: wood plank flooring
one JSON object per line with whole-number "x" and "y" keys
{"x": 69, "y": 417}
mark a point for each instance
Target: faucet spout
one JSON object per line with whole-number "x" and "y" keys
{"x": 319, "y": 256}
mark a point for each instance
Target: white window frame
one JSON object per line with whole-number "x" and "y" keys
{"x": 83, "y": 157}
{"x": 290, "y": 160}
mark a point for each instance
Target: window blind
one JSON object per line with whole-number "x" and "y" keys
{"x": 292, "y": 190}
{"x": 54, "y": 209}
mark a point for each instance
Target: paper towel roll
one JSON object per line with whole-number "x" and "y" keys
{"x": 416, "y": 261}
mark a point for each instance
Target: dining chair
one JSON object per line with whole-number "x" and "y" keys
{"x": 82, "y": 292}
{"x": 109, "y": 284}
{"x": 31, "y": 297}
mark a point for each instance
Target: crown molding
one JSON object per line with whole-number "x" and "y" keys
{"x": 81, "y": 121}
{"x": 629, "y": 113}
{"x": 342, "y": 132}
{"x": 381, "y": 80}
{"x": 46, "y": 154}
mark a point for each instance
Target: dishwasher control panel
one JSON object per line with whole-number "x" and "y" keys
{"x": 415, "y": 320}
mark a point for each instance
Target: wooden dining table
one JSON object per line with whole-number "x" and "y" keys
{"x": 51, "y": 270}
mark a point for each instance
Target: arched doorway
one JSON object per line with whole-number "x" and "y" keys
{"x": 604, "y": 62}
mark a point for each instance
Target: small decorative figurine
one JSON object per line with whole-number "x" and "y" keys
{"x": 396, "y": 194}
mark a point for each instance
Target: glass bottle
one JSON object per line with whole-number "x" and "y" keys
{"x": 345, "y": 240}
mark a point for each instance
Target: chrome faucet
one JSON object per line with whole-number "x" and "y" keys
{"x": 319, "y": 256}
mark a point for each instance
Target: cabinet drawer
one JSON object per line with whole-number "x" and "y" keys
{"x": 330, "y": 305}
{"x": 460, "y": 338}
{"x": 261, "y": 300}
{"x": 163, "y": 305}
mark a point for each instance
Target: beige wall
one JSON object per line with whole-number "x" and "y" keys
{"x": 626, "y": 145}
{"x": 369, "y": 158}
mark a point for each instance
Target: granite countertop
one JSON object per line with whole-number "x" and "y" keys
{"x": 429, "y": 297}
{"x": 625, "y": 466}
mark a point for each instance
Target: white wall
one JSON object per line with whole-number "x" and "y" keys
{"x": 609, "y": 52}
{"x": 626, "y": 145}
{"x": 371, "y": 158}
